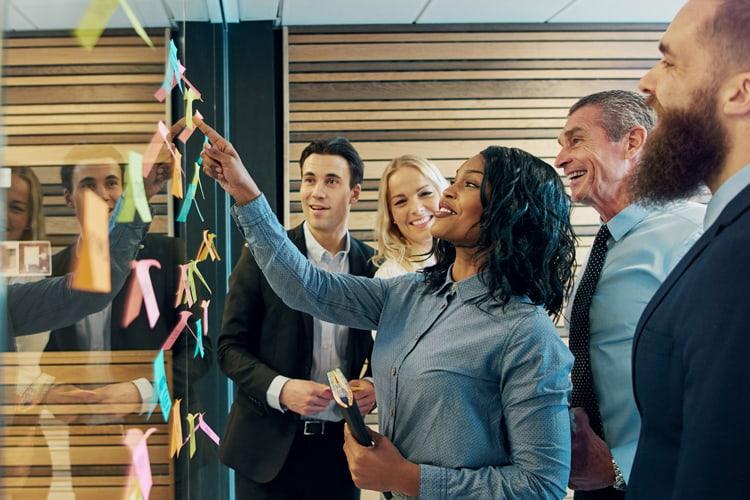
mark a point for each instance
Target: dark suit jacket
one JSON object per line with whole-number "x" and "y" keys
{"x": 690, "y": 370}
{"x": 138, "y": 335}
{"x": 261, "y": 338}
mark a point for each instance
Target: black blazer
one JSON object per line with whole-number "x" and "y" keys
{"x": 690, "y": 370}
{"x": 261, "y": 338}
{"x": 138, "y": 335}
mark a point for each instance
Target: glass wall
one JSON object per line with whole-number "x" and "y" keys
{"x": 111, "y": 390}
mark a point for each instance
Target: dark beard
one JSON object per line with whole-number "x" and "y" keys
{"x": 685, "y": 151}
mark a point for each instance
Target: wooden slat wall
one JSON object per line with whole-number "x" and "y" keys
{"x": 448, "y": 92}
{"x": 57, "y": 95}
{"x": 92, "y": 453}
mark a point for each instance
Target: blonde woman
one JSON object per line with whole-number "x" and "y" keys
{"x": 25, "y": 219}
{"x": 408, "y": 198}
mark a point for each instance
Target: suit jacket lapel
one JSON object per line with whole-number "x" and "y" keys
{"x": 734, "y": 209}
{"x": 297, "y": 235}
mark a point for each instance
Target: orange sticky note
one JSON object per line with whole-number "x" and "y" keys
{"x": 177, "y": 175}
{"x": 91, "y": 272}
{"x": 207, "y": 248}
{"x": 175, "y": 442}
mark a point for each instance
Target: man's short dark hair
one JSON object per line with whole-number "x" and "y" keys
{"x": 338, "y": 146}
{"x": 621, "y": 110}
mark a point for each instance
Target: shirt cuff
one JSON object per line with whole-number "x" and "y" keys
{"x": 433, "y": 482}
{"x": 624, "y": 456}
{"x": 146, "y": 390}
{"x": 274, "y": 392}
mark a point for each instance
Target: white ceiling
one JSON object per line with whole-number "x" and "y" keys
{"x": 65, "y": 14}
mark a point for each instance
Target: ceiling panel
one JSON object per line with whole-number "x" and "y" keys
{"x": 490, "y": 11}
{"x": 258, "y": 10}
{"x": 66, "y": 14}
{"x": 187, "y": 10}
{"x": 305, "y": 12}
{"x": 14, "y": 21}
{"x": 616, "y": 11}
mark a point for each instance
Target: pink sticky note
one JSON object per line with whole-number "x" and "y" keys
{"x": 202, "y": 425}
{"x": 187, "y": 132}
{"x": 177, "y": 330}
{"x": 184, "y": 287}
{"x": 133, "y": 300}
{"x": 152, "y": 153}
{"x": 182, "y": 75}
{"x": 204, "y": 306}
{"x": 147, "y": 288}
{"x": 135, "y": 440}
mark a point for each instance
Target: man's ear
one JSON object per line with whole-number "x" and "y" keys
{"x": 68, "y": 198}
{"x": 356, "y": 191}
{"x": 735, "y": 95}
{"x": 634, "y": 141}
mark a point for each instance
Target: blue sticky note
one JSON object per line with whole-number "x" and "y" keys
{"x": 185, "y": 208}
{"x": 161, "y": 386}
{"x": 199, "y": 339}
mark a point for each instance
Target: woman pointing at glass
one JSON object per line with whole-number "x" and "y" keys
{"x": 471, "y": 377}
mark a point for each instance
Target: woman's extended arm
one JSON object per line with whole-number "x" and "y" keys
{"x": 337, "y": 298}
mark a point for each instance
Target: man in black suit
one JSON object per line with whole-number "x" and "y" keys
{"x": 104, "y": 330}
{"x": 284, "y": 435}
{"x": 692, "y": 344}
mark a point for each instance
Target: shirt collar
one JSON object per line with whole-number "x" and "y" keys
{"x": 467, "y": 289}
{"x": 725, "y": 194}
{"x": 316, "y": 251}
{"x": 626, "y": 219}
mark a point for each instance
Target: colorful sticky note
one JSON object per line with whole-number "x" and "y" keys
{"x": 135, "y": 440}
{"x": 190, "y": 96}
{"x": 94, "y": 21}
{"x": 177, "y": 330}
{"x": 198, "y": 340}
{"x": 207, "y": 430}
{"x": 207, "y": 248}
{"x": 177, "y": 174}
{"x": 189, "y": 196}
{"x": 204, "y": 306}
{"x": 136, "y": 23}
{"x": 134, "y": 197}
{"x": 161, "y": 386}
{"x": 175, "y": 441}
{"x": 91, "y": 272}
{"x": 141, "y": 292}
{"x": 191, "y": 433}
{"x": 188, "y": 131}
{"x": 172, "y": 74}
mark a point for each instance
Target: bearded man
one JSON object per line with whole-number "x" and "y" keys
{"x": 692, "y": 344}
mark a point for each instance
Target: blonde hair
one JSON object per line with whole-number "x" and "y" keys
{"x": 35, "y": 231}
{"x": 391, "y": 243}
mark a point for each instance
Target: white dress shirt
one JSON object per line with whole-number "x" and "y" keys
{"x": 330, "y": 341}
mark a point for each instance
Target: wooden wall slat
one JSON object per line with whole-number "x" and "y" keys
{"x": 52, "y": 55}
{"x": 447, "y": 93}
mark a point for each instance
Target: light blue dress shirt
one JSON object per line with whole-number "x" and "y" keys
{"x": 645, "y": 245}
{"x": 725, "y": 194}
{"x": 476, "y": 395}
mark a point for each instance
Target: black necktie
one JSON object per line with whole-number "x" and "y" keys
{"x": 583, "y": 386}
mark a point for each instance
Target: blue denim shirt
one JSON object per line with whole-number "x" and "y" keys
{"x": 476, "y": 395}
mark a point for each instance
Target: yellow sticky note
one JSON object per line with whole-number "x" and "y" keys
{"x": 91, "y": 272}
{"x": 135, "y": 192}
{"x": 207, "y": 248}
{"x": 175, "y": 443}
{"x": 177, "y": 175}
{"x": 191, "y": 432}
{"x": 93, "y": 22}
{"x": 136, "y": 23}
{"x": 190, "y": 96}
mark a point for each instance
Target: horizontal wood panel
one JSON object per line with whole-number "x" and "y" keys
{"x": 530, "y": 74}
{"x": 507, "y": 36}
{"x": 20, "y": 81}
{"x": 122, "y": 109}
{"x": 347, "y": 91}
{"x": 558, "y": 49}
{"x": 394, "y": 116}
{"x": 17, "y": 56}
{"x": 86, "y": 493}
{"x": 523, "y": 123}
{"x": 455, "y": 103}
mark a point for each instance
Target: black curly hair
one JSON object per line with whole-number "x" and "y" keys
{"x": 526, "y": 242}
